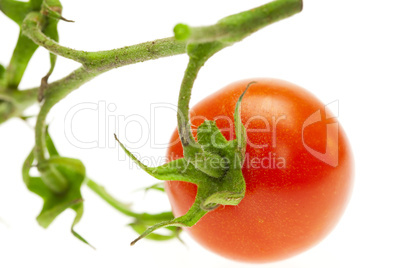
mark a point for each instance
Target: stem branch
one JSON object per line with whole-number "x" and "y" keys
{"x": 238, "y": 26}
{"x": 203, "y": 42}
{"x": 103, "y": 60}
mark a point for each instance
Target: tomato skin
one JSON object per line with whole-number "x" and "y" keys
{"x": 288, "y": 207}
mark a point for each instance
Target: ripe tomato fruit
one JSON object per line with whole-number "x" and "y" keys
{"x": 298, "y": 173}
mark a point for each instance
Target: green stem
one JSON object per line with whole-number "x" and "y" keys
{"x": 238, "y": 26}
{"x": 143, "y": 217}
{"x": 183, "y": 117}
{"x": 216, "y": 184}
{"x": 199, "y": 54}
{"x": 205, "y": 42}
{"x": 95, "y": 63}
{"x": 103, "y": 60}
{"x": 58, "y": 90}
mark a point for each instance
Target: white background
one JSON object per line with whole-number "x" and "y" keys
{"x": 346, "y": 50}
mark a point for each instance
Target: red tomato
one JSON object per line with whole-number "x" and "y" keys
{"x": 298, "y": 173}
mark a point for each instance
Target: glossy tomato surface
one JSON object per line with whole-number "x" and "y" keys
{"x": 298, "y": 173}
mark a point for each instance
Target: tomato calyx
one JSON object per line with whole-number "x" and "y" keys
{"x": 58, "y": 184}
{"x": 228, "y": 189}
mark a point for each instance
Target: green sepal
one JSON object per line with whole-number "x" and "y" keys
{"x": 177, "y": 170}
{"x": 73, "y": 171}
{"x": 57, "y": 169}
{"x": 157, "y": 187}
{"x": 79, "y": 211}
{"x": 174, "y": 232}
{"x": 144, "y": 221}
{"x": 36, "y": 4}
{"x": 22, "y": 54}
{"x": 240, "y": 130}
{"x": 15, "y": 10}
{"x": 212, "y": 192}
{"x": 211, "y": 139}
{"x": 53, "y": 9}
{"x": 141, "y": 220}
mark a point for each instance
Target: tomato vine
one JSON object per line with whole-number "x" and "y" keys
{"x": 61, "y": 178}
